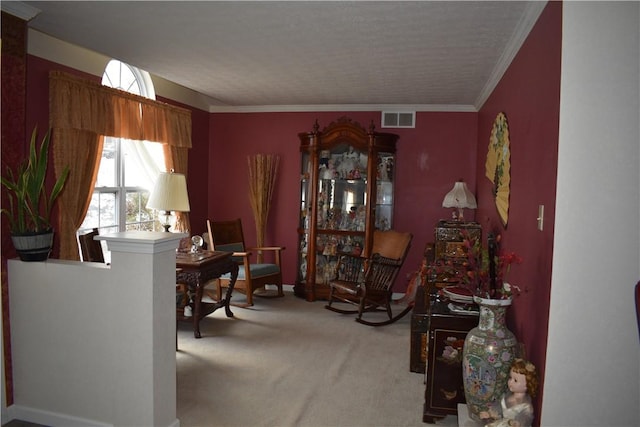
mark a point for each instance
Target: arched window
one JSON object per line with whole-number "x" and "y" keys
{"x": 128, "y": 168}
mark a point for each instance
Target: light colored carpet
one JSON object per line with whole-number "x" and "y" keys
{"x": 289, "y": 362}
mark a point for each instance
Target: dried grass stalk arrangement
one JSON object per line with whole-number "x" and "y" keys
{"x": 263, "y": 170}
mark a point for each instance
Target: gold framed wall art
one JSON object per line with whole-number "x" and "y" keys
{"x": 498, "y": 165}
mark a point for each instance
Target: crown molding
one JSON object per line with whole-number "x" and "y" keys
{"x": 340, "y": 107}
{"x": 529, "y": 18}
{"x": 20, "y": 9}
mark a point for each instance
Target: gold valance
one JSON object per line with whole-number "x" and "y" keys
{"x": 77, "y": 103}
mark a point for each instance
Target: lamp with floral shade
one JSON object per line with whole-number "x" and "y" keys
{"x": 459, "y": 198}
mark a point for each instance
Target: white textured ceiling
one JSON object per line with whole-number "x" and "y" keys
{"x": 249, "y": 54}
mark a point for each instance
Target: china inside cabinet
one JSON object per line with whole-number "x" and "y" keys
{"x": 346, "y": 192}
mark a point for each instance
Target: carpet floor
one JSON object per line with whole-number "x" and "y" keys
{"x": 289, "y": 362}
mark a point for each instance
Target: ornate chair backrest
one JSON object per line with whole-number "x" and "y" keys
{"x": 226, "y": 236}
{"x": 91, "y": 249}
{"x": 381, "y": 273}
{"x": 350, "y": 269}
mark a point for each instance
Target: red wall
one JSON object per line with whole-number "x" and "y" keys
{"x": 430, "y": 158}
{"x": 529, "y": 95}
{"x": 443, "y": 148}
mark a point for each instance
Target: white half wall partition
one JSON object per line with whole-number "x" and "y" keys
{"x": 94, "y": 344}
{"x": 592, "y": 375}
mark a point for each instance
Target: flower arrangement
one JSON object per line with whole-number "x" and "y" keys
{"x": 484, "y": 271}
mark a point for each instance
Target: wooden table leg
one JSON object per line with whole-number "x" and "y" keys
{"x": 197, "y": 310}
{"x": 227, "y": 297}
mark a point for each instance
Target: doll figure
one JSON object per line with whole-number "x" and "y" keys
{"x": 357, "y": 249}
{"x": 330, "y": 171}
{"x": 356, "y": 173}
{"x": 352, "y": 156}
{"x": 325, "y": 156}
{"x": 389, "y": 164}
{"x": 517, "y": 409}
{"x": 350, "y": 161}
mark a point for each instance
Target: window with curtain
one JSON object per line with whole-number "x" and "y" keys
{"x": 82, "y": 113}
{"x": 128, "y": 169}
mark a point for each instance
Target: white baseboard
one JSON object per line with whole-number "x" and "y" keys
{"x": 47, "y": 418}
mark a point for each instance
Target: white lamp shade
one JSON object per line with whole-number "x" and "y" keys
{"x": 170, "y": 193}
{"x": 460, "y": 197}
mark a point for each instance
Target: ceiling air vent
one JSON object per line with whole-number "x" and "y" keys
{"x": 397, "y": 119}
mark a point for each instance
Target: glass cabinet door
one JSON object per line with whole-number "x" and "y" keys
{"x": 384, "y": 191}
{"x": 305, "y": 217}
{"x": 341, "y": 204}
{"x": 342, "y": 207}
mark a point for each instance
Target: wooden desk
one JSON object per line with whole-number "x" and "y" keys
{"x": 419, "y": 331}
{"x": 420, "y": 320}
{"x": 196, "y": 269}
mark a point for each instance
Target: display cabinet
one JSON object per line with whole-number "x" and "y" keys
{"x": 346, "y": 192}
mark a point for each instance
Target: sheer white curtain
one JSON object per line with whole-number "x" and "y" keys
{"x": 149, "y": 158}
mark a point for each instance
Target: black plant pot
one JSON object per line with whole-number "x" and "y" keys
{"x": 33, "y": 246}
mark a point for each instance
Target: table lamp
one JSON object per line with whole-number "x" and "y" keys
{"x": 459, "y": 198}
{"x": 169, "y": 194}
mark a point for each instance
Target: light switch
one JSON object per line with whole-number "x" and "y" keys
{"x": 540, "y": 217}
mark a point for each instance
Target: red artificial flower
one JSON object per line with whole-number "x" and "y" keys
{"x": 474, "y": 274}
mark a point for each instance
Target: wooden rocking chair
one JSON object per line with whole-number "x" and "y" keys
{"x": 367, "y": 283}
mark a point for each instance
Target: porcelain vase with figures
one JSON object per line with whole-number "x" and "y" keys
{"x": 489, "y": 349}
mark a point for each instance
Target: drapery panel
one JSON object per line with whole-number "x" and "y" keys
{"x": 81, "y": 151}
{"x": 81, "y": 113}
{"x": 83, "y": 104}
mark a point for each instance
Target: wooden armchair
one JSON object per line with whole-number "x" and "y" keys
{"x": 90, "y": 248}
{"x": 367, "y": 284}
{"x": 228, "y": 236}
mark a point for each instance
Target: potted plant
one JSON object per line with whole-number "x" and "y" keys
{"x": 30, "y": 203}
